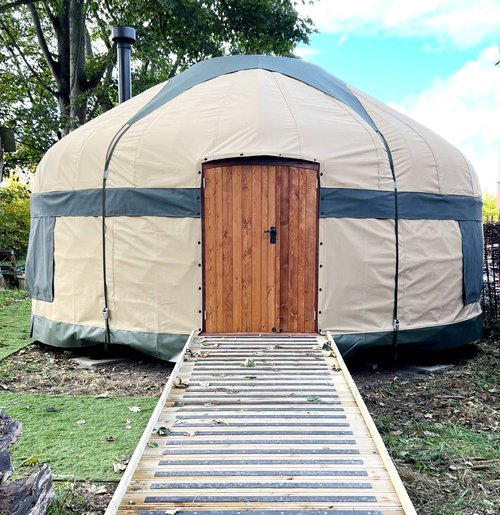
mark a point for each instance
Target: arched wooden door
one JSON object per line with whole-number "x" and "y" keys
{"x": 260, "y": 241}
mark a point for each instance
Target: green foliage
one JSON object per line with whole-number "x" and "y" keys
{"x": 12, "y": 296}
{"x": 490, "y": 211}
{"x": 67, "y": 501}
{"x": 15, "y": 309}
{"x": 73, "y": 433}
{"x": 15, "y": 216}
{"x": 54, "y": 81}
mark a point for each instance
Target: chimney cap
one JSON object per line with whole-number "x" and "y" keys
{"x": 122, "y": 34}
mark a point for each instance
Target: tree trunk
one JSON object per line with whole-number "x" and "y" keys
{"x": 78, "y": 103}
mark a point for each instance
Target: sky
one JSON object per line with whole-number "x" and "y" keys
{"x": 434, "y": 60}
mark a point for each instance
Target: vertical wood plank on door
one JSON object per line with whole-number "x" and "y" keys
{"x": 209, "y": 251}
{"x": 283, "y": 186}
{"x": 311, "y": 251}
{"x": 274, "y": 250}
{"x": 265, "y": 249}
{"x": 293, "y": 269}
{"x": 301, "y": 247}
{"x": 246, "y": 284}
{"x": 236, "y": 222}
{"x": 258, "y": 241}
{"x": 227, "y": 249}
{"x": 219, "y": 248}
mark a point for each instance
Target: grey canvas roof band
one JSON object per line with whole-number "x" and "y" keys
{"x": 209, "y": 69}
{"x": 186, "y": 203}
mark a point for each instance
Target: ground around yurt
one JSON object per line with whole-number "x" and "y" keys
{"x": 441, "y": 428}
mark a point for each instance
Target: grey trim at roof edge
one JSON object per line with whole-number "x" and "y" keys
{"x": 185, "y": 203}
{"x": 208, "y": 69}
{"x": 168, "y": 346}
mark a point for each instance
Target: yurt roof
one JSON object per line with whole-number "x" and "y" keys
{"x": 254, "y": 105}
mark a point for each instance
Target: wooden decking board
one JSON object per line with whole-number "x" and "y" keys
{"x": 287, "y": 436}
{"x": 265, "y": 512}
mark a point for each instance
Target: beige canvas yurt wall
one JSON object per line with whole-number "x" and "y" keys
{"x": 400, "y": 211}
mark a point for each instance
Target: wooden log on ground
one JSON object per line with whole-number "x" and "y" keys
{"x": 10, "y": 430}
{"x": 27, "y": 496}
{"x": 9, "y": 433}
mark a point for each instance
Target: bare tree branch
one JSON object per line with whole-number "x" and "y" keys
{"x": 43, "y": 44}
{"x": 23, "y": 57}
{"x": 10, "y": 5}
{"x": 88, "y": 44}
{"x": 111, "y": 13}
{"x": 50, "y": 14}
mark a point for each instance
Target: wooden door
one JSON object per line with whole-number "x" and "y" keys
{"x": 252, "y": 285}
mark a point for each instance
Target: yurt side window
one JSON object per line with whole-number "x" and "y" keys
{"x": 40, "y": 259}
{"x": 472, "y": 245}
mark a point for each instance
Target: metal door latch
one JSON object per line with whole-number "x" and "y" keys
{"x": 272, "y": 234}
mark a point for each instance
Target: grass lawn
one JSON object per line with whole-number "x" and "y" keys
{"x": 15, "y": 311}
{"x": 53, "y": 432}
{"x": 459, "y": 465}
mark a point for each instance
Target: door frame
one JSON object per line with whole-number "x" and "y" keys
{"x": 258, "y": 160}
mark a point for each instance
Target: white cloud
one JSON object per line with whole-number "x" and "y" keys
{"x": 460, "y": 22}
{"x": 305, "y": 52}
{"x": 342, "y": 39}
{"x": 464, "y": 108}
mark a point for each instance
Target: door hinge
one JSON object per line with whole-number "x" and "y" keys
{"x": 203, "y": 183}
{"x": 317, "y": 183}
{"x": 314, "y": 315}
{"x": 204, "y": 315}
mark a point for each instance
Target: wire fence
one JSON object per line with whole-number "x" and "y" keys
{"x": 490, "y": 298}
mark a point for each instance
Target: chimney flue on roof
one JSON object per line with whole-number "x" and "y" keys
{"x": 124, "y": 37}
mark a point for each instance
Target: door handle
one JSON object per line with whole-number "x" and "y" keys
{"x": 272, "y": 234}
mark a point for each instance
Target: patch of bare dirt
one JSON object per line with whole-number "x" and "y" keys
{"x": 467, "y": 393}
{"x": 45, "y": 370}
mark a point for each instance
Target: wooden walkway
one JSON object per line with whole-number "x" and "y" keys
{"x": 286, "y": 434}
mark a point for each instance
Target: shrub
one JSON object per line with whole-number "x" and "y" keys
{"x": 15, "y": 216}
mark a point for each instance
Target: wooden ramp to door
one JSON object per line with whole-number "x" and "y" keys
{"x": 289, "y": 435}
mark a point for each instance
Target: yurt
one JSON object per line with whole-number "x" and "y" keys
{"x": 255, "y": 194}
